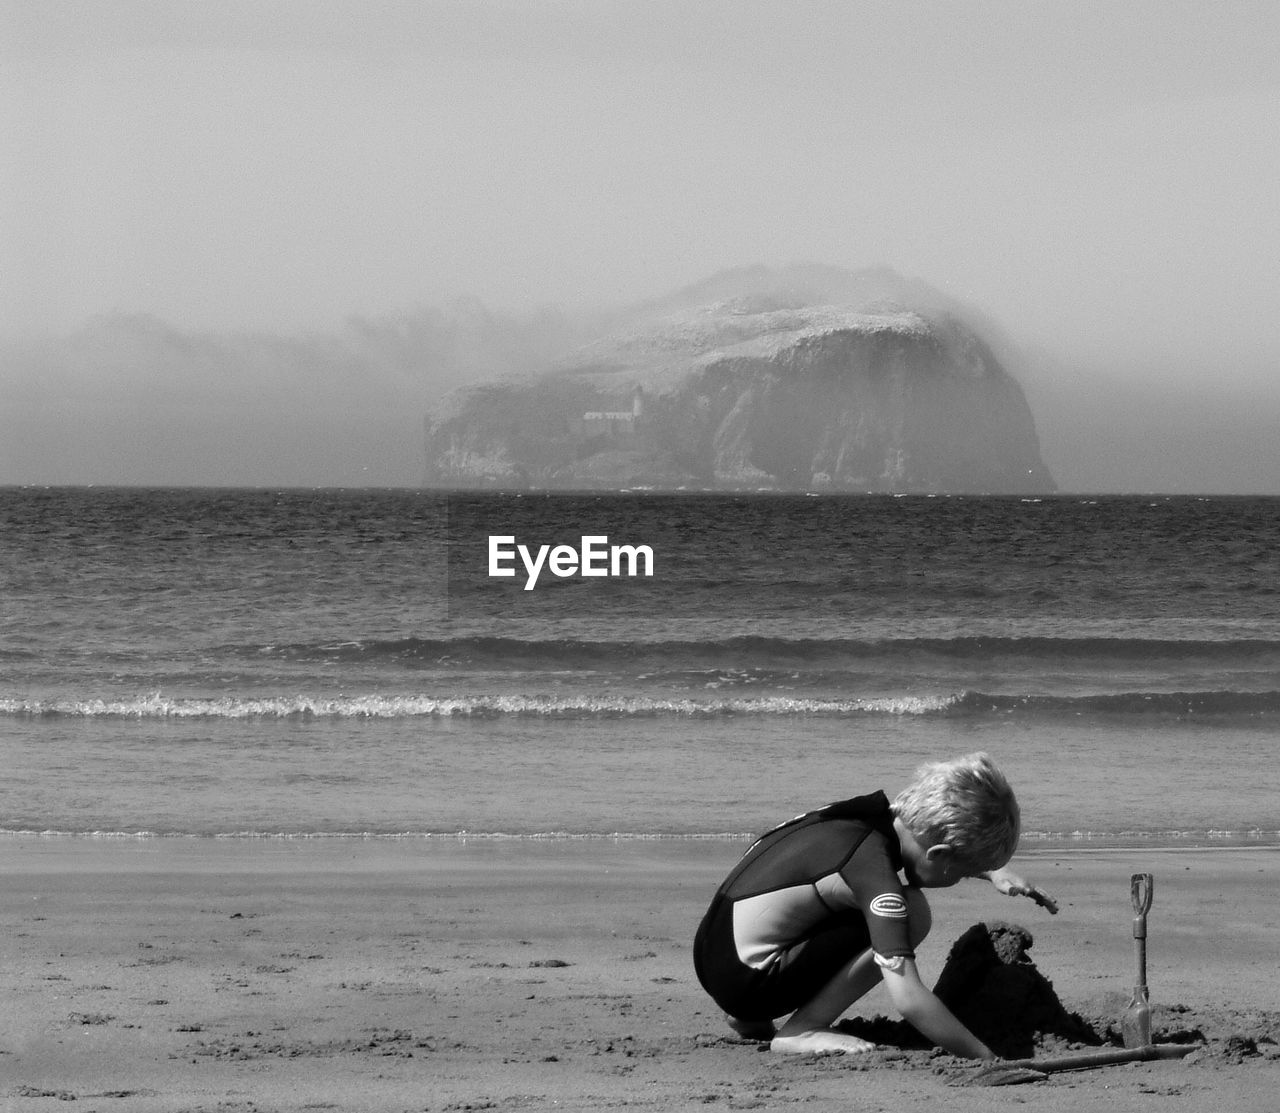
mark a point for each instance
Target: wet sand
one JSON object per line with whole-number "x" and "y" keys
{"x": 243, "y": 975}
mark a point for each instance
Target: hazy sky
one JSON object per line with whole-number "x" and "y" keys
{"x": 1101, "y": 178}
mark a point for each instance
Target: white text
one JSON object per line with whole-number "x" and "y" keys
{"x": 596, "y": 557}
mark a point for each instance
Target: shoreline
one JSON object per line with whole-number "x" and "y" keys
{"x": 200, "y": 974}
{"x": 1156, "y": 843}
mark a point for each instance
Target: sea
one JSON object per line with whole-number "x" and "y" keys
{"x": 306, "y": 664}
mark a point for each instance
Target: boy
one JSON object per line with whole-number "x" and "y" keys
{"x": 814, "y": 915}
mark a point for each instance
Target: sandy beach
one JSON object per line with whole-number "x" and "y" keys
{"x": 256, "y": 975}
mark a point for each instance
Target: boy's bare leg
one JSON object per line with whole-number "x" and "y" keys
{"x": 808, "y": 1030}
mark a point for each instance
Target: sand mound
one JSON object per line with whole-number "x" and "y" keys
{"x": 993, "y": 987}
{"x": 995, "y": 990}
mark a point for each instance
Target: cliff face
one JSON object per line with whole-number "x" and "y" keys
{"x": 757, "y": 391}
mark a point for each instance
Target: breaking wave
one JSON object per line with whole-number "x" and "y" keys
{"x": 485, "y": 706}
{"x": 966, "y": 703}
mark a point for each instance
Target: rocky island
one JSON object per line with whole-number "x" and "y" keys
{"x": 800, "y": 379}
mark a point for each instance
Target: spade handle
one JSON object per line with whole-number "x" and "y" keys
{"x": 1141, "y": 887}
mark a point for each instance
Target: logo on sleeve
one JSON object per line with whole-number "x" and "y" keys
{"x": 892, "y": 906}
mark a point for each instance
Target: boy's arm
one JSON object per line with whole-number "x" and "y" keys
{"x": 924, "y": 1012}
{"x": 1009, "y": 883}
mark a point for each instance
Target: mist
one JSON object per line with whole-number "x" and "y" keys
{"x": 254, "y": 243}
{"x": 132, "y": 400}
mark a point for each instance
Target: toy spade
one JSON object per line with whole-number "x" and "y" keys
{"x": 1135, "y": 1025}
{"x": 1011, "y": 1072}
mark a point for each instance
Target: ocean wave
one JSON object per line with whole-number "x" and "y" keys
{"x": 959, "y": 704}
{"x": 747, "y": 650}
{"x": 480, "y": 706}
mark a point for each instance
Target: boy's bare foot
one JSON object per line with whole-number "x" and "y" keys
{"x": 761, "y": 1030}
{"x": 821, "y": 1041}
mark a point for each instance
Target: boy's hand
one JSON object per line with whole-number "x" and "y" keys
{"x": 1009, "y": 883}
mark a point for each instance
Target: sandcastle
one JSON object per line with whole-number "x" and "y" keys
{"x": 995, "y": 990}
{"x": 993, "y": 987}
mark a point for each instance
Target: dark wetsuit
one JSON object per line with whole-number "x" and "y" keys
{"x": 804, "y": 900}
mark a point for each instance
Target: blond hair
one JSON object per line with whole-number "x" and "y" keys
{"x": 965, "y": 803}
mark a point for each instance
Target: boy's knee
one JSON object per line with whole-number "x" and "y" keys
{"x": 919, "y": 917}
